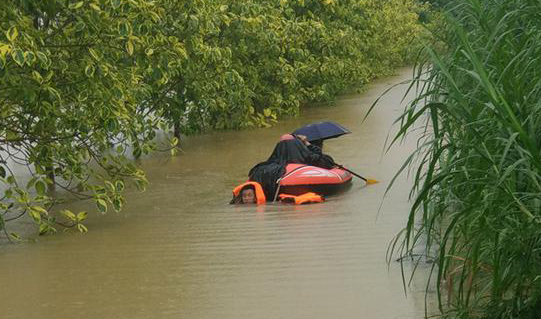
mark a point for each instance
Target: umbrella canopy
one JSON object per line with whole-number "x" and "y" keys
{"x": 321, "y": 130}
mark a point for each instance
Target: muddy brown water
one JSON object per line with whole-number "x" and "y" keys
{"x": 179, "y": 250}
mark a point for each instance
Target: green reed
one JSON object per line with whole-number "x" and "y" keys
{"x": 477, "y": 184}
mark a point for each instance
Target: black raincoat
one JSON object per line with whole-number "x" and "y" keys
{"x": 286, "y": 152}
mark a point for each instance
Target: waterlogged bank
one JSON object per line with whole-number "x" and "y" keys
{"x": 178, "y": 250}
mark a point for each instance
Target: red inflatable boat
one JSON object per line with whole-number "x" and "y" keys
{"x": 301, "y": 178}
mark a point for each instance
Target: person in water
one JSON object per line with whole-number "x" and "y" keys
{"x": 290, "y": 149}
{"x": 248, "y": 193}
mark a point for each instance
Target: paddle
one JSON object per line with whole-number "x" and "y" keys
{"x": 368, "y": 181}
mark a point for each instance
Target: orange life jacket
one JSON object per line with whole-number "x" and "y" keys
{"x": 302, "y": 199}
{"x": 259, "y": 194}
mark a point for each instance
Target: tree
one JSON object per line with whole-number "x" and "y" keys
{"x": 72, "y": 77}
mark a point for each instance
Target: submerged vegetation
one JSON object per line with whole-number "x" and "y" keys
{"x": 86, "y": 85}
{"x": 477, "y": 194}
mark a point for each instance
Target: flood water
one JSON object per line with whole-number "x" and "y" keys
{"x": 179, "y": 250}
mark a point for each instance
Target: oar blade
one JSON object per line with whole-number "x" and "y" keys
{"x": 371, "y": 181}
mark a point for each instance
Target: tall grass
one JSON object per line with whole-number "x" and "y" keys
{"x": 477, "y": 187}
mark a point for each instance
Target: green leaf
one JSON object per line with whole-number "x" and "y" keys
{"x": 174, "y": 141}
{"x": 117, "y": 204}
{"x": 42, "y": 57}
{"x": 119, "y": 185}
{"x": 18, "y": 56}
{"x": 94, "y": 54}
{"x": 124, "y": 29}
{"x": 10, "y": 179}
{"x": 112, "y": 125}
{"x": 76, "y": 5}
{"x": 30, "y": 57}
{"x": 129, "y": 47}
{"x": 41, "y": 187}
{"x": 15, "y": 236}
{"x": 141, "y": 184}
{"x": 102, "y": 205}
{"x": 116, "y": 3}
{"x": 39, "y": 209}
{"x": 37, "y": 76}
{"x": 12, "y": 34}
{"x": 80, "y": 26}
{"x": 137, "y": 152}
{"x": 35, "y": 215}
{"x": 95, "y": 7}
{"x": 109, "y": 186}
{"x": 69, "y": 214}
{"x": 82, "y": 228}
{"x": 155, "y": 17}
{"x": 4, "y": 50}
{"x": 43, "y": 228}
{"x": 2, "y": 172}
{"x": 81, "y": 216}
{"x": 89, "y": 70}
{"x": 31, "y": 182}
{"x": 83, "y": 96}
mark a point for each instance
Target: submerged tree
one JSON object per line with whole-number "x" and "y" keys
{"x": 72, "y": 75}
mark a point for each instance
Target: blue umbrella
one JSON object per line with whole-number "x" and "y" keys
{"x": 321, "y": 130}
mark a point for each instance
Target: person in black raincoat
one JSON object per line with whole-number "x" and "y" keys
{"x": 290, "y": 149}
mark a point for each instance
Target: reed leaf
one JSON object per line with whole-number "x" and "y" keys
{"x": 476, "y": 204}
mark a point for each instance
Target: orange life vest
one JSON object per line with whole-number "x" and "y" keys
{"x": 302, "y": 199}
{"x": 259, "y": 194}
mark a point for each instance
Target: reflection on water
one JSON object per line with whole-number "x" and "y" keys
{"x": 179, "y": 251}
